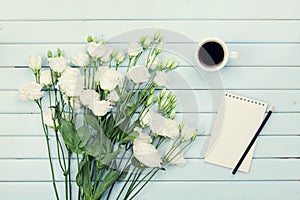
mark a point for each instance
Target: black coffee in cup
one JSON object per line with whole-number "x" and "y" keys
{"x": 211, "y": 54}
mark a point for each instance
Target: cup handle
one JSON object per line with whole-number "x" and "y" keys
{"x": 234, "y": 54}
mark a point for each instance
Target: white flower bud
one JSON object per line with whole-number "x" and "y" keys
{"x": 159, "y": 47}
{"x": 162, "y": 93}
{"x": 172, "y": 114}
{"x": 120, "y": 57}
{"x": 157, "y": 35}
{"x": 35, "y": 63}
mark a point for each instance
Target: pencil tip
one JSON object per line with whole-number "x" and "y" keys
{"x": 272, "y": 109}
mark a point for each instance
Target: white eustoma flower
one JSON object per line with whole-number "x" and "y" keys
{"x": 145, "y": 152}
{"x": 71, "y": 82}
{"x": 107, "y": 55}
{"x": 96, "y": 50}
{"x": 48, "y": 118}
{"x": 161, "y": 78}
{"x": 170, "y": 129}
{"x": 88, "y": 97}
{"x": 100, "y": 108}
{"x": 157, "y": 122}
{"x": 187, "y": 132}
{"x": 35, "y": 62}
{"x": 134, "y": 49}
{"x": 138, "y": 74}
{"x": 113, "y": 97}
{"x": 163, "y": 126}
{"x": 31, "y": 91}
{"x": 81, "y": 59}
{"x": 45, "y": 78}
{"x": 153, "y": 62}
{"x": 108, "y": 78}
{"x": 58, "y": 64}
{"x": 174, "y": 156}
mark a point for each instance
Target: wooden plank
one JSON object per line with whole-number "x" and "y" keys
{"x": 192, "y": 78}
{"x": 35, "y": 147}
{"x": 188, "y": 100}
{"x": 281, "y": 124}
{"x": 263, "y": 54}
{"x": 288, "y": 190}
{"x": 227, "y": 30}
{"x": 194, "y": 170}
{"x": 194, "y": 9}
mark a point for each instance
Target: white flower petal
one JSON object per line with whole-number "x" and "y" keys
{"x": 161, "y": 78}
{"x": 45, "y": 78}
{"x": 58, "y": 64}
{"x": 31, "y": 91}
{"x": 81, "y": 59}
{"x": 145, "y": 152}
{"x": 96, "y": 50}
{"x": 138, "y": 74}
{"x": 71, "y": 82}
{"x": 108, "y": 78}
{"x": 88, "y": 97}
{"x": 100, "y": 108}
{"x": 134, "y": 49}
{"x": 113, "y": 97}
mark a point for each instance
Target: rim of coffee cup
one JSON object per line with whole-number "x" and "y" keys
{"x": 215, "y": 67}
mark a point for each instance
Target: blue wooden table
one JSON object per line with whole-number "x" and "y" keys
{"x": 266, "y": 33}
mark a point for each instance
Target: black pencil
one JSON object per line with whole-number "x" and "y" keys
{"x": 252, "y": 141}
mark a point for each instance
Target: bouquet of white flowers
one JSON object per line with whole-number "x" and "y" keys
{"x": 117, "y": 119}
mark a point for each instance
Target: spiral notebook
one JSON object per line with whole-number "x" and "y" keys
{"x": 237, "y": 121}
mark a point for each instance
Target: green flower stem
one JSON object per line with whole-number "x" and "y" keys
{"x": 144, "y": 184}
{"x": 54, "y": 81}
{"x": 152, "y": 61}
{"x": 84, "y": 75}
{"x": 182, "y": 149}
{"x": 39, "y": 103}
{"x": 150, "y": 52}
{"x": 89, "y": 77}
{"x": 69, "y": 172}
{"x": 134, "y": 180}
{"x": 125, "y": 184}
{"x": 94, "y": 72}
{"x": 66, "y": 187}
{"x": 58, "y": 143}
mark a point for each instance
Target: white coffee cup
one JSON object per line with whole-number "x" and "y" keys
{"x": 212, "y": 54}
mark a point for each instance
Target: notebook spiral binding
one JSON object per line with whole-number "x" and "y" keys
{"x": 244, "y": 99}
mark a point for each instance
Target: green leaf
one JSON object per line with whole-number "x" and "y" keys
{"x": 92, "y": 121}
{"x": 129, "y": 137}
{"x": 69, "y": 134}
{"x": 108, "y": 157}
{"x": 109, "y": 179}
{"x": 83, "y": 178}
{"x": 85, "y": 135}
{"x": 93, "y": 148}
